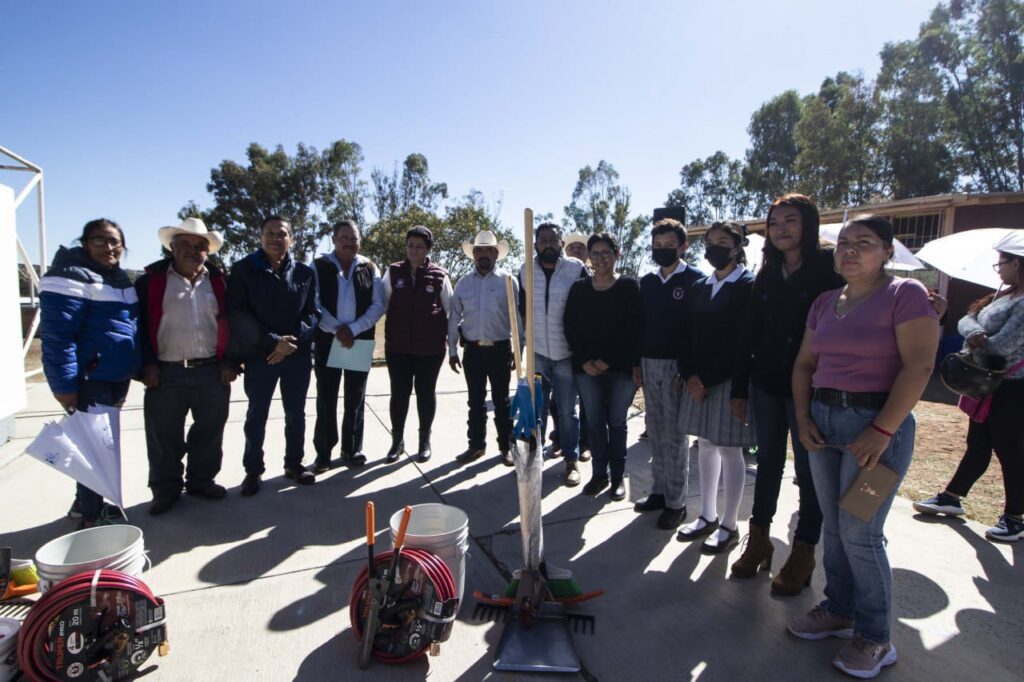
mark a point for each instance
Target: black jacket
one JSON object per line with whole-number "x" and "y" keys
{"x": 605, "y": 325}
{"x": 713, "y": 329}
{"x": 264, "y": 305}
{"x": 776, "y": 320}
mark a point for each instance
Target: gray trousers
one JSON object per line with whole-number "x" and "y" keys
{"x": 182, "y": 390}
{"x": 670, "y": 452}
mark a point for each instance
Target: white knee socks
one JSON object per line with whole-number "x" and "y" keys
{"x": 714, "y": 460}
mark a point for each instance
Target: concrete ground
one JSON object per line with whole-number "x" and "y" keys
{"x": 257, "y": 588}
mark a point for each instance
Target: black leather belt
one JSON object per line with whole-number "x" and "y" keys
{"x": 197, "y": 362}
{"x": 837, "y": 398}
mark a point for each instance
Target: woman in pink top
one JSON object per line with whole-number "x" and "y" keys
{"x": 866, "y": 358}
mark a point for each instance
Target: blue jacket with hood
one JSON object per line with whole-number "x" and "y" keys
{"x": 89, "y": 323}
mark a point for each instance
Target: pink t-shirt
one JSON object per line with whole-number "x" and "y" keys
{"x": 857, "y": 352}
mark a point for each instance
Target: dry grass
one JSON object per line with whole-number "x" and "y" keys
{"x": 938, "y": 447}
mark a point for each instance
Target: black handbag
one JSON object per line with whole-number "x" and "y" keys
{"x": 962, "y": 374}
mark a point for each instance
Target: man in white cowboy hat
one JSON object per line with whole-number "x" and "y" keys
{"x": 184, "y": 335}
{"x": 576, "y": 246}
{"x": 479, "y": 318}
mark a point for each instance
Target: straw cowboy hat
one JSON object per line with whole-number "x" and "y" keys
{"x": 575, "y": 237}
{"x": 193, "y": 226}
{"x": 486, "y": 238}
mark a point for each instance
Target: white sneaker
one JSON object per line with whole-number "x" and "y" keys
{"x": 863, "y": 659}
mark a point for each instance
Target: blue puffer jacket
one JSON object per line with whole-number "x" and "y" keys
{"x": 89, "y": 323}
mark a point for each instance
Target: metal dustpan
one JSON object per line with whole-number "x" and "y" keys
{"x": 544, "y": 646}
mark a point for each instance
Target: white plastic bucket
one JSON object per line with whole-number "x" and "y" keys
{"x": 9, "y": 628}
{"x": 114, "y": 548}
{"x": 442, "y": 530}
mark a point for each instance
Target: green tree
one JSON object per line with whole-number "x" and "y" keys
{"x": 397, "y": 193}
{"x": 600, "y": 204}
{"x": 711, "y": 189}
{"x": 770, "y": 168}
{"x": 837, "y": 138}
{"x": 974, "y": 47}
{"x": 917, "y": 149}
{"x": 311, "y": 188}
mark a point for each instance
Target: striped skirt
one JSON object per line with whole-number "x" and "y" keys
{"x": 712, "y": 418}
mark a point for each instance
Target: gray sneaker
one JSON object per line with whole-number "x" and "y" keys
{"x": 819, "y": 623}
{"x": 940, "y": 504}
{"x": 864, "y": 659}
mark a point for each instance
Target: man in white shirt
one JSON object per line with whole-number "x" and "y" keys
{"x": 351, "y": 302}
{"x": 184, "y": 334}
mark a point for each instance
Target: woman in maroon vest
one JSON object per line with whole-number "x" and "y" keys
{"x": 416, "y": 295}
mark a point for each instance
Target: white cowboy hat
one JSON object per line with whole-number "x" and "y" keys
{"x": 486, "y": 238}
{"x": 575, "y": 237}
{"x": 193, "y": 226}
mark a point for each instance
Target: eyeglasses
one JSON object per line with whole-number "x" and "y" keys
{"x": 601, "y": 255}
{"x": 995, "y": 266}
{"x": 100, "y": 242}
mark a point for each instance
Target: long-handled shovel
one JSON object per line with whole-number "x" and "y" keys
{"x": 374, "y": 594}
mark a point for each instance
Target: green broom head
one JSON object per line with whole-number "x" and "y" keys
{"x": 561, "y": 584}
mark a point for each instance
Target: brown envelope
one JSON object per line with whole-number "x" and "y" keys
{"x": 870, "y": 489}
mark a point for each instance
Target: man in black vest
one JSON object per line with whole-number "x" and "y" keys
{"x": 351, "y": 302}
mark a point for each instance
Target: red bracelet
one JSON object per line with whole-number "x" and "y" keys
{"x": 882, "y": 431}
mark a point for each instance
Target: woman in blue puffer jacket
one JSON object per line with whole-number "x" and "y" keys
{"x": 88, "y": 327}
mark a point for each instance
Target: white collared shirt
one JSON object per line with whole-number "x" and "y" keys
{"x": 716, "y": 284}
{"x": 679, "y": 268}
{"x": 188, "y": 326}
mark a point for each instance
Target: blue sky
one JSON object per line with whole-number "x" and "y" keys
{"x": 127, "y": 105}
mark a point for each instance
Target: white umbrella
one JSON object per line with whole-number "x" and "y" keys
{"x": 903, "y": 259}
{"x": 967, "y": 255}
{"x": 84, "y": 446}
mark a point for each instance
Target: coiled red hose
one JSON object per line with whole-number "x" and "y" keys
{"x": 436, "y": 571}
{"x": 34, "y": 638}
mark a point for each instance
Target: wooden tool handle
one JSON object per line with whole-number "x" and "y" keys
{"x": 513, "y": 320}
{"x": 370, "y": 526}
{"x": 403, "y": 526}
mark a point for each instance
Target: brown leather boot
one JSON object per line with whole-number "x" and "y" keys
{"x": 796, "y": 572}
{"x": 757, "y": 556}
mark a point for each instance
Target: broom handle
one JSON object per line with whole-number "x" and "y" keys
{"x": 528, "y": 285}
{"x": 513, "y": 319}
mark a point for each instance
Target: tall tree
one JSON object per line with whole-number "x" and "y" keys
{"x": 974, "y": 46}
{"x": 837, "y": 138}
{"x": 600, "y": 204}
{"x": 712, "y": 189}
{"x": 918, "y": 152}
{"x": 770, "y": 168}
{"x": 396, "y": 193}
{"x": 311, "y": 188}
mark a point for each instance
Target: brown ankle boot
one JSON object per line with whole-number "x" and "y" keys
{"x": 757, "y": 556}
{"x": 796, "y": 572}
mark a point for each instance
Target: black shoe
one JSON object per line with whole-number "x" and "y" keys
{"x": 690, "y": 535}
{"x": 300, "y": 475}
{"x": 653, "y": 502}
{"x": 355, "y": 460}
{"x": 618, "y": 491}
{"x": 322, "y": 465}
{"x": 162, "y": 505}
{"x": 424, "y": 454}
{"x": 250, "y": 485}
{"x": 595, "y": 485}
{"x": 396, "y": 451}
{"x": 713, "y": 546}
{"x": 470, "y": 455}
{"x": 669, "y": 519}
{"x": 508, "y": 458}
{"x": 208, "y": 490}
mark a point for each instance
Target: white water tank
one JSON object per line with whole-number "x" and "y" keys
{"x": 12, "y": 359}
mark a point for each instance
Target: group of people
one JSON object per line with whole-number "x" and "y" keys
{"x": 821, "y": 348}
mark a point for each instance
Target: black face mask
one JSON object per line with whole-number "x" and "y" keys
{"x": 664, "y": 257}
{"x": 718, "y": 256}
{"x": 549, "y": 255}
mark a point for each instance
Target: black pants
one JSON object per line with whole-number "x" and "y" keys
{"x": 325, "y": 431}
{"x": 260, "y": 382}
{"x": 182, "y": 390}
{"x": 406, "y": 372}
{"x": 1004, "y": 433}
{"x": 484, "y": 364}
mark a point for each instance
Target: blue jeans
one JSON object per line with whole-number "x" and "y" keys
{"x": 90, "y": 394}
{"x": 563, "y": 385}
{"x": 775, "y": 424}
{"x": 260, "y": 380}
{"x": 858, "y": 579}
{"x": 607, "y": 398}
